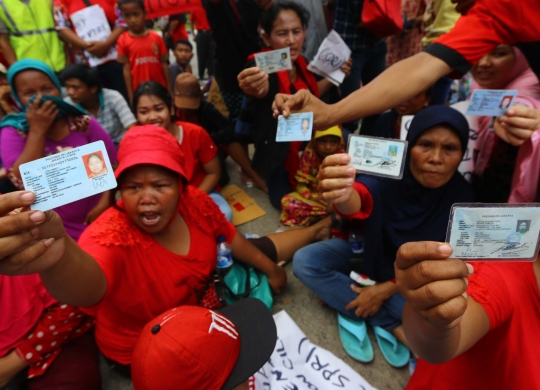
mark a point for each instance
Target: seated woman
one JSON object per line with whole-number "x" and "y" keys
{"x": 284, "y": 25}
{"x": 305, "y": 206}
{"x": 475, "y": 326}
{"x": 389, "y": 123}
{"x": 155, "y": 250}
{"x": 48, "y": 125}
{"x": 153, "y": 103}
{"x": 395, "y": 211}
{"x": 40, "y": 343}
{"x": 507, "y": 169}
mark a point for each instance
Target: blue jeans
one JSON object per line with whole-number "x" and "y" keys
{"x": 222, "y": 204}
{"x": 367, "y": 64}
{"x": 324, "y": 268}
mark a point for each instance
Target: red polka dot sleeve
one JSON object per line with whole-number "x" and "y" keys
{"x": 58, "y": 325}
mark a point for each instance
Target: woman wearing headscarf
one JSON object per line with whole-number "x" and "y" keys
{"x": 48, "y": 125}
{"x": 394, "y": 212}
{"x": 506, "y": 171}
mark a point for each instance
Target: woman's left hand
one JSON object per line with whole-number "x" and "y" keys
{"x": 346, "y": 67}
{"x": 369, "y": 300}
{"x": 277, "y": 279}
{"x": 518, "y": 125}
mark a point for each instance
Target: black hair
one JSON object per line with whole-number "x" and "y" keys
{"x": 140, "y": 3}
{"x": 183, "y": 42}
{"x": 82, "y": 72}
{"x": 269, "y": 16}
{"x": 152, "y": 88}
{"x": 93, "y": 155}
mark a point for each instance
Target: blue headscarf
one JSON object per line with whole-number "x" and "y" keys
{"x": 19, "y": 120}
{"x": 404, "y": 210}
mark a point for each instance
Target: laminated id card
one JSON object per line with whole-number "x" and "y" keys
{"x": 274, "y": 61}
{"x": 377, "y": 156}
{"x": 66, "y": 177}
{"x": 494, "y": 231}
{"x": 491, "y": 102}
{"x": 297, "y": 127}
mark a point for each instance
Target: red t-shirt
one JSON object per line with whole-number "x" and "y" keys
{"x": 198, "y": 149}
{"x": 108, "y": 7}
{"x": 507, "y": 357}
{"x": 198, "y": 16}
{"x": 144, "y": 54}
{"x": 144, "y": 279}
{"x": 486, "y": 25}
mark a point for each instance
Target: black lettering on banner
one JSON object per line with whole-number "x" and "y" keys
{"x": 308, "y": 384}
{"x": 328, "y": 57}
{"x": 278, "y": 375}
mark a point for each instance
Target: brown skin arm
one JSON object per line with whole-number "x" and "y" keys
{"x": 68, "y": 36}
{"x": 126, "y": 71}
{"x": 165, "y": 66}
{"x": 7, "y": 50}
{"x": 213, "y": 174}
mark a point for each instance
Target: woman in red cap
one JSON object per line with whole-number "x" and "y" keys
{"x": 154, "y": 250}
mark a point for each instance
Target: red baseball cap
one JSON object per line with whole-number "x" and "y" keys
{"x": 192, "y": 347}
{"x": 149, "y": 144}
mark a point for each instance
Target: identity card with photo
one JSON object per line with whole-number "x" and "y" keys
{"x": 494, "y": 231}
{"x": 66, "y": 177}
{"x": 377, "y": 156}
{"x": 491, "y": 102}
{"x": 274, "y": 61}
{"x": 297, "y": 127}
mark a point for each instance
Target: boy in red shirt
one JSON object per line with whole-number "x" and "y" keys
{"x": 142, "y": 52}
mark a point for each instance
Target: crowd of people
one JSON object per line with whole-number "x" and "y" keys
{"x": 130, "y": 274}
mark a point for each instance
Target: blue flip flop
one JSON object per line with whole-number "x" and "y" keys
{"x": 354, "y": 338}
{"x": 395, "y": 353}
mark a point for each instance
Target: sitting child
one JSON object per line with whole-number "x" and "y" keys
{"x": 304, "y": 206}
{"x": 183, "y": 52}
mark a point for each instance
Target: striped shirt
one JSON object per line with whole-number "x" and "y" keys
{"x": 114, "y": 114}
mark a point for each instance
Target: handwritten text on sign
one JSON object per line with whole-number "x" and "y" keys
{"x": 296, "y": 364}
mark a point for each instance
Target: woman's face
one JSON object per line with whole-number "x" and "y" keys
{"x": 150, "y": 194}
{"x": 95, "y": 164}
{"x": 435, "y": 157}
{"x": 151, "y": 110}
{"x": 287, "y": 32}
{"x": 493, "y": 70}
{"x": 33, "y": 82}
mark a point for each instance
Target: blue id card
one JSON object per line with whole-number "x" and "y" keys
{"x": 297, "y": 127}
{"x": 66, "y": 177}
{"x": 274, "y": 61}
{"x": 491, "y": 102}
{"x": 494, "y": 231}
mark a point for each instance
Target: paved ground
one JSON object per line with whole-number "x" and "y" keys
{"x": 317, "y": 322}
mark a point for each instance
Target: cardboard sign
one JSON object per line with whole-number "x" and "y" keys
{"x": 243, "y": 207}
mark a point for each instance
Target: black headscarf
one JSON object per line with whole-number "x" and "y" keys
{"x": 404, "y": 210}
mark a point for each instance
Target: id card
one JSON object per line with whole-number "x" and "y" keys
{"x": 297, "y": 127}
{"x": 494, "y": 231}
{"x": 274, "y": 61}
{"x": 491, "y": 102}
{"x": 66, "y": 177}
{"x": 377, "y": 156}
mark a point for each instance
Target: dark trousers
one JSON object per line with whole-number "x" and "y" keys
{"x": 205, "y": 52}
{"x": 111, "y": 77}
{"x": 278, "y": 186}
{"x": 76, "y": 368}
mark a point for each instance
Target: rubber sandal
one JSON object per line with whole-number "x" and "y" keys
{"x": 395, "y": 353}
{"x": 354, "y": 338}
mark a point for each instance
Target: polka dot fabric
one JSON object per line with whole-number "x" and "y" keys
{"x": 58, "y": 325}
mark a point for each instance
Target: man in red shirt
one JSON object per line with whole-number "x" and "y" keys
{"x": 142, "y": 52}
{"x": 204, "y": 41}
{"x": 487, "y": 24}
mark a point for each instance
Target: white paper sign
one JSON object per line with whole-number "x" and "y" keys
{"x": 91, "y": 24}
{"x": 332, "y": 54}
{"x": 405, "y": 123}
{"x": 297, "y": 364}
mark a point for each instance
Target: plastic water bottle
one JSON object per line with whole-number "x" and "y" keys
{"x": 357, "y": 242}
{"x": 224, "y": 257}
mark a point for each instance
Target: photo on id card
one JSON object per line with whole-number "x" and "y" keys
{"x": 494, "y": 231}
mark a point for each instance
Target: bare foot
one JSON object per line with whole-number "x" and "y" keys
{"x": 322, "y": 229}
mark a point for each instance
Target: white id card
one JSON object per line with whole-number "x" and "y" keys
{"x": 494, "y": 231}
{"x": 274, "y": 61}
{"x": 377, "y": 156}
{"x": 297, "y": 127}
{"x": 66, "y": 177}
{"x": 491, "y": 102}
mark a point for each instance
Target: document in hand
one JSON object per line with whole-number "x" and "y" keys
{"x": 332, "y": 54}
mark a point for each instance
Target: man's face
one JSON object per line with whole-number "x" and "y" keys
{"x": 523, "y": 227}
{"x": 79, "y": 92}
